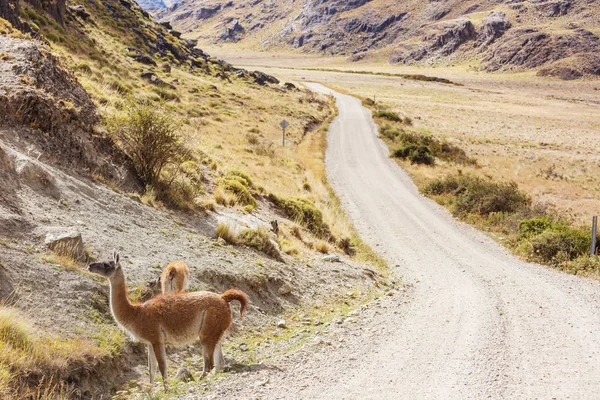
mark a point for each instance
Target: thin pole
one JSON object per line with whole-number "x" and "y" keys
{"x": 594, "y": 230}
{"x": 283, "y": 137}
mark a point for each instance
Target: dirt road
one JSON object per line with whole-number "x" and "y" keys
{"x": 473, "y": 323}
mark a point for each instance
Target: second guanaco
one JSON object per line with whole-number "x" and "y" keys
{"x": 176, "y": 278}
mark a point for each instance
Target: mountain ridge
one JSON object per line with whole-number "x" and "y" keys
{"x": 491, "y": 35}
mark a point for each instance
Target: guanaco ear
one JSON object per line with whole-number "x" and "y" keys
{"x": 116, "y": 257}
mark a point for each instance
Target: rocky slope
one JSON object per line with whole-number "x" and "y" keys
{"x": 57, "y": 92}
{"x": 493, "y": 35}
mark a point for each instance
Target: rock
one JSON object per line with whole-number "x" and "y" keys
{"x": 285, "y": 289}
{"x": 243, "y": 347}
{"x": 7, "y": 293}
{"x": 37, "y": 177}
{"x": 166, "y": 25}
{"x": 190, "y": 43}
{"x": 289, "y": 86}
{"x": 79, "y": 11}
{"x": 68, "y": 244}
{"x": 166, "y": 67}
{"x": 175, "y": 33}
{"x": 184, "y": 375}
{"x": 530, "y": 48}
{"x": 452, "y": 36}
{"x": 331, "y": 258}
{"x": 349, "y": 320}
{"x": 232, "y": 31}
{"x": 261, "y": 383}
{"x": 261, "y": 78}
{"x": 140, "y": 57}
{"x": 555, "y": 8}
{"x": 281, "y": 324}
{"x": 155, "y": 80}
{"x": 390, "y": 293}
{"x": 493, "y": 27}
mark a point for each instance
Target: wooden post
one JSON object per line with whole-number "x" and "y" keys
{"x": 594, "y": 231}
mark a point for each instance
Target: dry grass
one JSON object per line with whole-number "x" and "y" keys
{"x": 34, "y": 366}
{"x": 225, "y": 232}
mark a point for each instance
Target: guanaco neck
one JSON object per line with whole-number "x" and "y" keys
{"x": 120, "y": 307}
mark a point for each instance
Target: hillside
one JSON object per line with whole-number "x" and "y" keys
{"x": 72, "y": 76}
{"x": 556, "y": 37}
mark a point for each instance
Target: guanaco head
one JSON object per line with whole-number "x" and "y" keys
{"x": 107, "y": 268}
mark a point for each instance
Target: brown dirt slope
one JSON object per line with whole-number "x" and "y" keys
{"x": 491, "y": 35}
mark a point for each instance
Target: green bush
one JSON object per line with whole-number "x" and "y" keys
{"x": 304, "y": 212}
{"x": 475, "y": 195}
{"x": 150, "y": 138}
{"x": 233, "y": 173}
{"x": 423, "y": 149}
{"x": 389, "y": 131}
{"x": 389, "y": 115}
{"x": 235, "y": 186}
{"x": 53, "y": 37}
{"x": 533, "y": 226}
{"x": 564, "y": 244}
{"x": 416, "y": 154}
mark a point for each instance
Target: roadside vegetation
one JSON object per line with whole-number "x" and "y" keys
{"x": 534, "y": 231}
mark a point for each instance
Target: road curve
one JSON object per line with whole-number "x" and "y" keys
{"x": 483, "y": 324}
{"x": 480, "y": 323}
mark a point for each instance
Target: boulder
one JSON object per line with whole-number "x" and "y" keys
{"x": 493, "y": 26}
{"x": 261, "y": 78}
{"x": 69, "y": 244}
{"x": 79, "y": 11}
{"x": 184, "y": 375}
{"x": 140, "y": 57}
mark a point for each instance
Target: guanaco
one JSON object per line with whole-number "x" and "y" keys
{"x": 174, "y": 319}
{"x": 176, "y": 278}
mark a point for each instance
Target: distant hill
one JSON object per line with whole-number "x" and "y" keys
{"x": 557, "y": 37}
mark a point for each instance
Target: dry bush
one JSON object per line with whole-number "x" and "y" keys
{"x": 225, "y": 232}
{"x": 260, "y": 240}
{"x": 322, "y": 247}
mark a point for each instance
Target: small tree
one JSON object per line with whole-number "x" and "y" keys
{"x": 150, "y": 138}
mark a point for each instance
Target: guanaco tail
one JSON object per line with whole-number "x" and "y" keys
{"x": 174, "y": 319}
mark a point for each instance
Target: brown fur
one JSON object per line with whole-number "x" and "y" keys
{"x": 175, "y": 278}
{"x": 173, "y": 319}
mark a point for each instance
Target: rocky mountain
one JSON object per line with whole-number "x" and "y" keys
{"x": 559, "y": 37}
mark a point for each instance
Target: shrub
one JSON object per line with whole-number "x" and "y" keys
{"x": 533, "y": 226}
{"x": 304, "y": 212}
{"x": 423, "y": 149}
{"x": 260, "y": 240}
{"x": 389, "y": 131}
{"x": 566, "y": 243}
{"x": 236, "y": 174}
{"x": 53, "y": 37}
{"x": 322, "y": 247}
{"x": 150, "y": 138}
{"x": 476, "y": 195}
{"x": 389, "y": 115}
{"x": 416, "y": 154}
{"x": 225, "y": 232}
{"x": 236, "y": 186}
